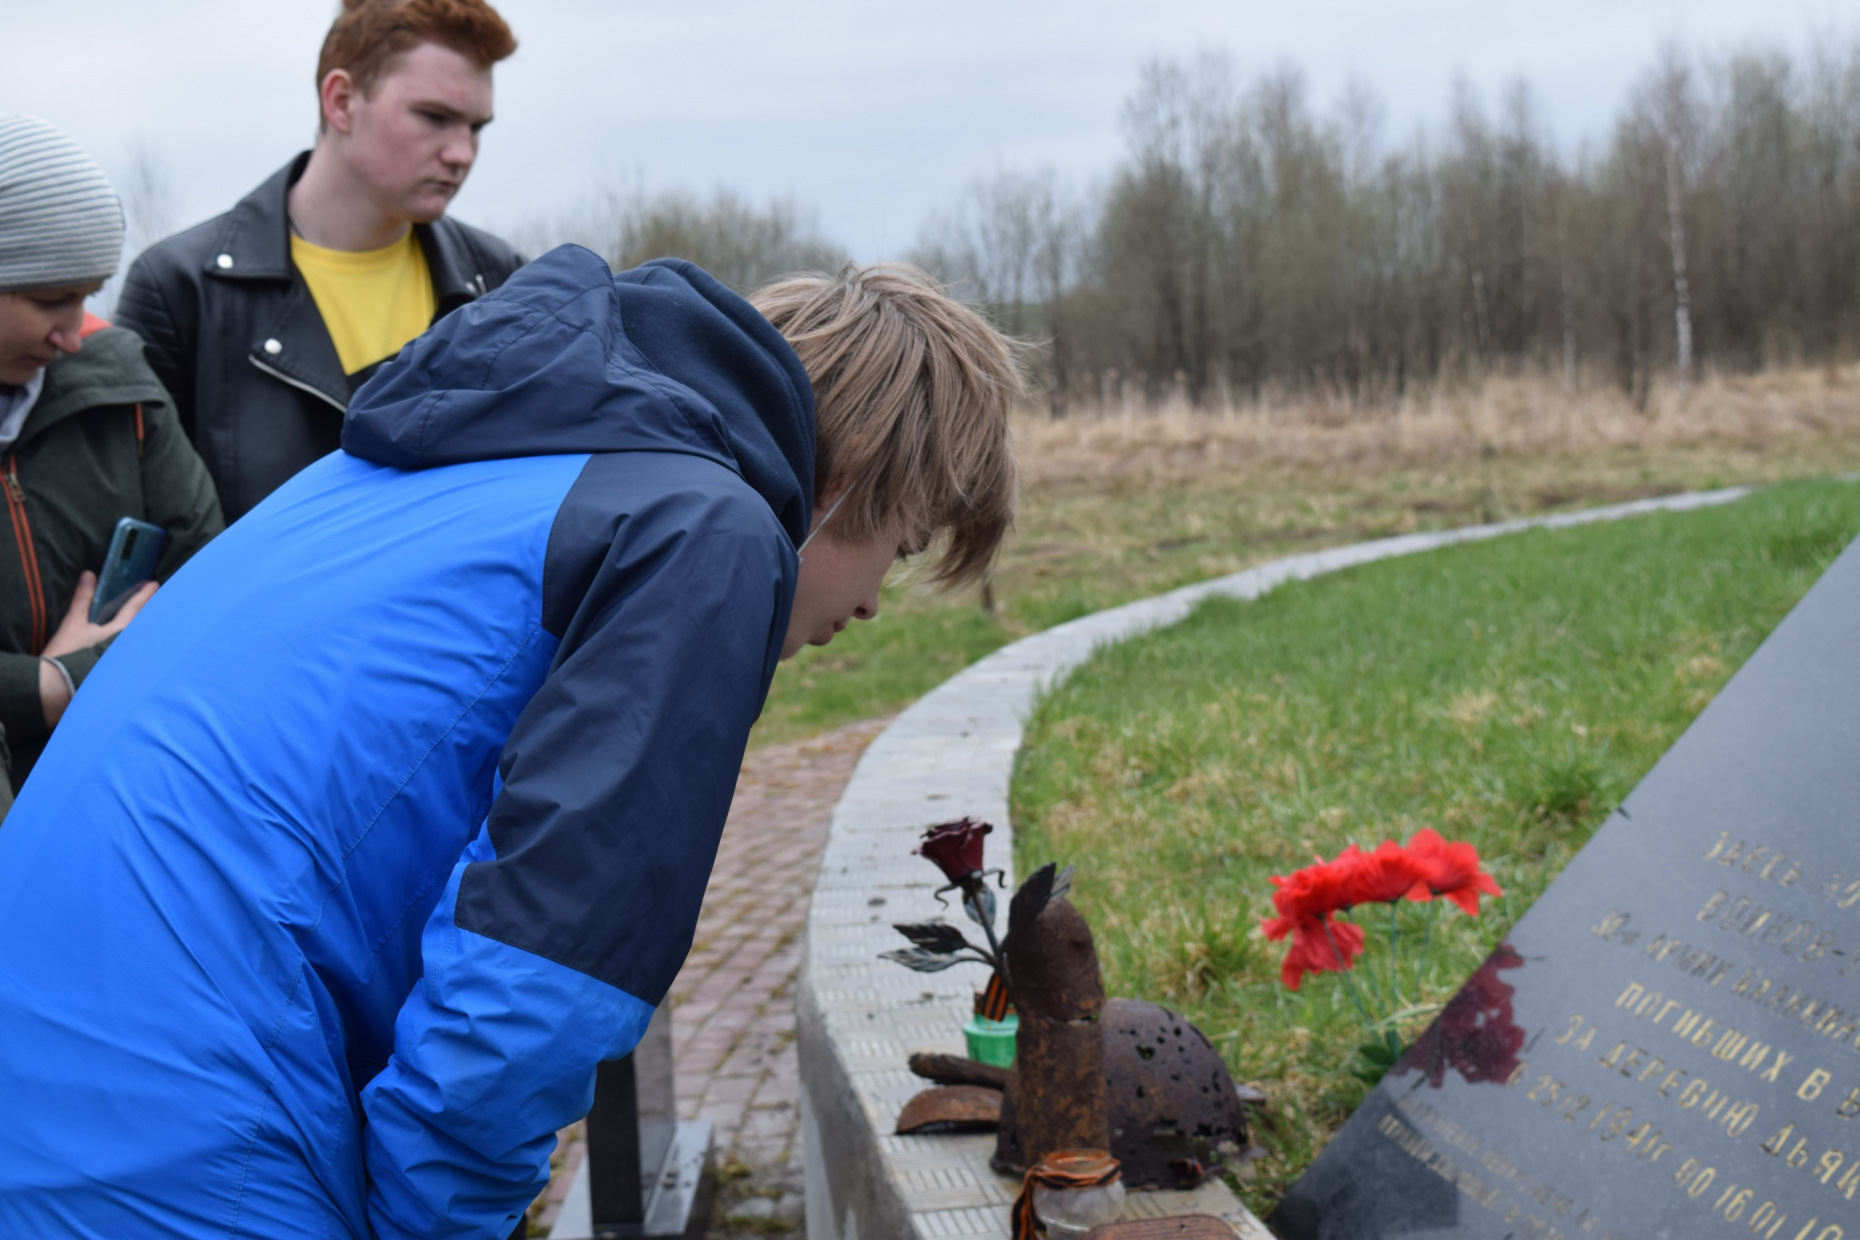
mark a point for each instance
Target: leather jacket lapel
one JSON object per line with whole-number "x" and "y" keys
{"x": 293, "y": 345}
{"x": 457, "y": 273}
{"x": 255, "y": 240}
{"x": 296, "y": 348}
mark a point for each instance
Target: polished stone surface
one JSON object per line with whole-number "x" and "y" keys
{"x": 1668, "y": 1044}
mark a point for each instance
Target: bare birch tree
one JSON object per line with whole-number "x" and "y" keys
{"x": 1675, "y": 114}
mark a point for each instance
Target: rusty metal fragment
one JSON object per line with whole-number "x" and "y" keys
{"x": 1123, "y": 1075}
{"x": 1055, "y": 1093}
{"x": 957, "y": 1108}
{"x": 1056, "y": 1089}
{"x": 956, "y": 1070}
{"x": 1174, "y": 1112}
{"x": 1177, "y": 1227}
{"x": 1054, "y": 965}
{"x": 1173, "y": 1115}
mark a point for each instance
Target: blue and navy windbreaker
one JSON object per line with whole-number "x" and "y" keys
{"x": 390, "y": 816}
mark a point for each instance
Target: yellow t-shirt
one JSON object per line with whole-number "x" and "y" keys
{"x": 372, "y": 301}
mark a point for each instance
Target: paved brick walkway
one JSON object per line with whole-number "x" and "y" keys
{"x": 733, "y": 1003}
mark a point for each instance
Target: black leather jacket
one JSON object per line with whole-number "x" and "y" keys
{"x": 233, "y": 333}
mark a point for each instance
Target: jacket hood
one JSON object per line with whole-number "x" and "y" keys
{"x": 107, "y": 369}
{"x": 568, "y": 357}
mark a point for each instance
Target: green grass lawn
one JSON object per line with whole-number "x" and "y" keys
{"x": 1086, "y": 543}
{"x": 876, "y": 667}
{"x": 1508, "y": 693}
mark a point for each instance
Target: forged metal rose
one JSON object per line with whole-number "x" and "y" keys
{"x": 955, "y": 847}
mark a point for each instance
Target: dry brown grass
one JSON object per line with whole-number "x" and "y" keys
{"x": 1120, "y": 505}
{"x": 1508, "y": 416}
{"x": 1115, "y": 507}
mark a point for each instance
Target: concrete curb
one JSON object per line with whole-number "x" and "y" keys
{"x": 858, "y": 1017}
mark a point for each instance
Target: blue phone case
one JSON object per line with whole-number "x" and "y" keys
{"x": 134, "y": 549}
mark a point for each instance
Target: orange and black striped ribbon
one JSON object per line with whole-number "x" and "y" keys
{"x": 994, "y": 1001}
{"x": 1027, "y": 1224}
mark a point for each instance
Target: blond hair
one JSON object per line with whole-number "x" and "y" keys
{"x": 911, "y": 396}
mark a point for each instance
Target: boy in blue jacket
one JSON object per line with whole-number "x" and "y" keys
{"x": 391, "y": 816}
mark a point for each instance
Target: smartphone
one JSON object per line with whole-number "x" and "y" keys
{"x": 130, "y": 561}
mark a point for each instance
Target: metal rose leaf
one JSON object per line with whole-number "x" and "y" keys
{"x": 935, "y": 936}
{"x": 1031, "y": 900}
{"x": 921, "y": 960}
{"x": 986, "y": 917}
{"x": 1062, "y": 885}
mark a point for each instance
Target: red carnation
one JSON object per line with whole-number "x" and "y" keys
{"x": 1318, "y": 890}
{"x": 1386, "y": 875}
{"x": 1306, "y": 900}
{"x": 1323, "y": 946}
{"x": 955, "y": 847}
{"x": 1452, "y": 870}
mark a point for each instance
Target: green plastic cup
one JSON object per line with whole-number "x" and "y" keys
{"x": 992, "y": 1041}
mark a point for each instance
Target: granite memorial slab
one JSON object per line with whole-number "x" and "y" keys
{"x": 1667, "y": 1044}
{"x": 645, "y": 1173}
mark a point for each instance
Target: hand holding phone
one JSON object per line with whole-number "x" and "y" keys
{"x": 76, "y": 632}
{"x": 135, "y": 548}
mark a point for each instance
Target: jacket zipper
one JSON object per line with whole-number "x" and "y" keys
{"x": 301, "y": 386}
{"x": 28, "y": 555}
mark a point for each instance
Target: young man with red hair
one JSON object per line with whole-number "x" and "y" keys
{"x": 263, "y": 321}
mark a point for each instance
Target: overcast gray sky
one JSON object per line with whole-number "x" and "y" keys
{"x": 873, "y": 112}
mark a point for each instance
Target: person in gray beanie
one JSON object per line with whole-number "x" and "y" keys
{"x": 88, "y": 435}
{"x": 63, "y": 223}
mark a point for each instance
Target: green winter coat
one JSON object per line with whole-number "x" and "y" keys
{"x": 101, "y": 443}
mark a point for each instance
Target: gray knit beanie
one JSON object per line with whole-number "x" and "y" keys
{"x": 60, "y": 222}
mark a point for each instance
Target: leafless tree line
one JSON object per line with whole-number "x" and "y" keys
{"x": 1249, "y": 245}
{"x": 742, "y": 243}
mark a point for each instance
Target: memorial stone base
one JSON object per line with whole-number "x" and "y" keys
{"x": 1668, "y": 1042}
{"x": 645, "y": 1173}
